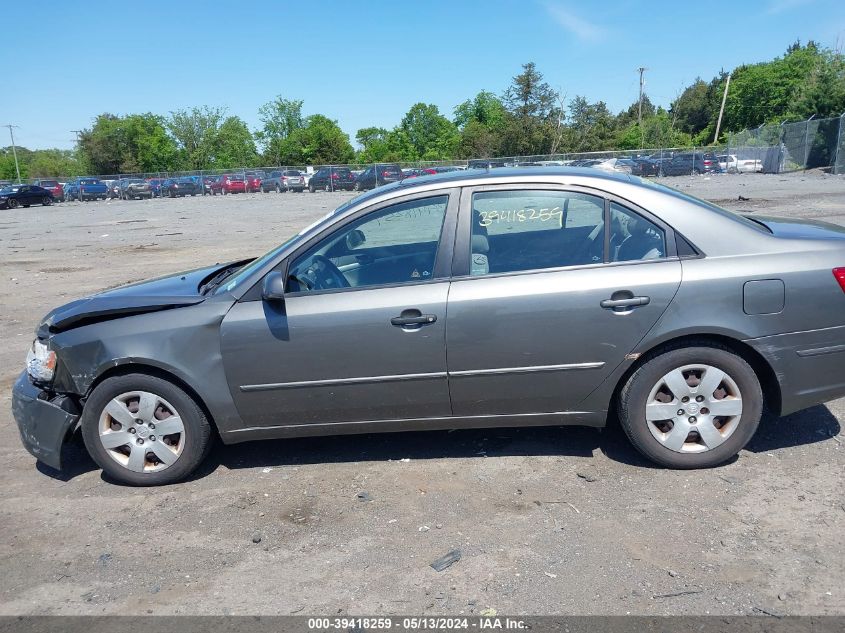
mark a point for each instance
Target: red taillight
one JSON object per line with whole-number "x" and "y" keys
{"x": 839, "y": 273}
{"x": 335, "y": 176}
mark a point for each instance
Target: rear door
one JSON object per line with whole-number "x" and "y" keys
{"x": 552, "y": 288}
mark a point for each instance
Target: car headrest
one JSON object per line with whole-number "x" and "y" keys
{"x": 480, "y": 245}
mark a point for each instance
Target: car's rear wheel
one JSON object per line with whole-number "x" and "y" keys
{"x": 46, "y": 201}
{"x": 312, "y": 189}
{"x": 691, "y": 407}
{"x": 357, "y": 186}
{"x": 143, "y": 430}
{"x": 278, "y": 188}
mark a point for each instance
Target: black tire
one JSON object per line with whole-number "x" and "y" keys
{"x": 46, "y": 201}
{"x": 197, "y": 429}
{"x": 356, "y": 187}
{"x": 278, "y": 188}
{"x": 12, "y": 203}
{"x": 635, "y": 393}
{"x": 311, "y": 188}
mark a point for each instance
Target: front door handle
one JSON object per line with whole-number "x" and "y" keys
{"x": 413, "y": 318}
{"x": 624, "y": 301}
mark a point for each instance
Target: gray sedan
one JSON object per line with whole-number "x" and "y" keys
{"x": 509, "y": 297}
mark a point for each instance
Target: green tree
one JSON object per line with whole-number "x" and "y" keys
{"x": 279, "y": 119}
{"x": 195, "y": 131}
{"x": 591, "y": 127}
{"x": 482, "y": 121}
{"x": 432, "y": 135}
{"x": 319, "y": 142}
{"x": 233, "y": 145}
{"x": 7, "y": 165}
{"x": 534, "y": 119}
{"x": 136, "y": 143}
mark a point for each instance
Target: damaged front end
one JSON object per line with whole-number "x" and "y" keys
{"x": 44, "y": 420}
{"x": 79, "y": 341}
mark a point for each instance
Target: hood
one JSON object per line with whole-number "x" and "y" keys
{"x": 164, "y": 293}
{"x": 793, "y": 228}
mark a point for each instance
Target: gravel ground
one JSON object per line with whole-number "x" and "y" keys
{"x": 549, "y": 521}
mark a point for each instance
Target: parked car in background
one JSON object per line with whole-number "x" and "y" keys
{"x": 485, "y": 163}
{"x": 377, "y": 175}
{"x": 688, "y": 163}
{"x": 206, "y": 184}
{"x": 155, "y": 186}
{"x": 113, "y": 187}
{"x": 332, "y": 179}
{"x": 53, "y": 186}
{"x": 645, "y": 166}
{"x": 14, "y": 196}
{"x": 180, "y": 187}
{"x": 622, "y": 165}
{"x": 134, "y": 189}
{"x": 291, "y": 180}
{"x": 86, "y": 189}
{"x": 733, "y": 165}
{"x": 252, "y": 180}
{"x": 228, "y": 183}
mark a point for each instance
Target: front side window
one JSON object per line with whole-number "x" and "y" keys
{"x": 535, "y": 229}
{"x": 396, "y": 244}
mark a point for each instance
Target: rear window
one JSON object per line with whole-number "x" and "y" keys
{"x": 291, "y": 172}
{"x": 49, "y": 183}
{"x": 89, "y": 181}
{"x": 237, "y": 178}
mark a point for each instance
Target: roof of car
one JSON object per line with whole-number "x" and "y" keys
{"x": 479, "y": 176}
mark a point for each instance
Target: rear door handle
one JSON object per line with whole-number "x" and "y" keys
{"x": 628, "y": 302}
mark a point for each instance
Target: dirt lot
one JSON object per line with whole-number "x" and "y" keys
{"x": 549, "y": 521}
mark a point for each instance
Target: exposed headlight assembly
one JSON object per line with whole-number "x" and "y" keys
{"x": 40, "y": 362}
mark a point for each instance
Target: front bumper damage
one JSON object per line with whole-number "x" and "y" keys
{"x": 44, "y": 421}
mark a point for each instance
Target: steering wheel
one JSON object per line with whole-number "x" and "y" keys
{"x": 322, "y": 274}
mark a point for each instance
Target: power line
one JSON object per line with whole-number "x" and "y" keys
{"x": 14, "y": 150}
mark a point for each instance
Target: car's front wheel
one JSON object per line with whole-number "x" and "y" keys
{"x": 691, "y": 407}
{"x": 144, "y": 431}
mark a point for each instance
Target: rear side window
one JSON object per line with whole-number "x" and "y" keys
{"x": 633, "y": 237}
{"x": 535, "y": 229}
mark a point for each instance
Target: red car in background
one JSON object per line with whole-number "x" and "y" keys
{"x": 253, "y": 180}
{"x": 54, "y": 187}
{"x": 228, "y": 183}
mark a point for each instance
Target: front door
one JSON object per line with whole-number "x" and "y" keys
{"x": 558, "y": 287}
{"x": 361, "y": 333}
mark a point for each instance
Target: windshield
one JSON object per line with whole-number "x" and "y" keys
{"x": 10, "y": 189}
{"x": 243, "y": 273}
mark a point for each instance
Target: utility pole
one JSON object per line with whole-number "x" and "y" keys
{"x": 641, "y": 70}
{"x": 14, "y": 151}
{"x": 722, "y": 110}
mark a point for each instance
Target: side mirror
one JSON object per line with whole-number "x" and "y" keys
{"x": 354, "y": 239}
{"x": 273, "y": 288}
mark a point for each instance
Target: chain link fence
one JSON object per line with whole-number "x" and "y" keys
{"x": 814, "y": 143}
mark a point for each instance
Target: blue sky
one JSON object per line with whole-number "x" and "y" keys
{"x": 366, "y": 62}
